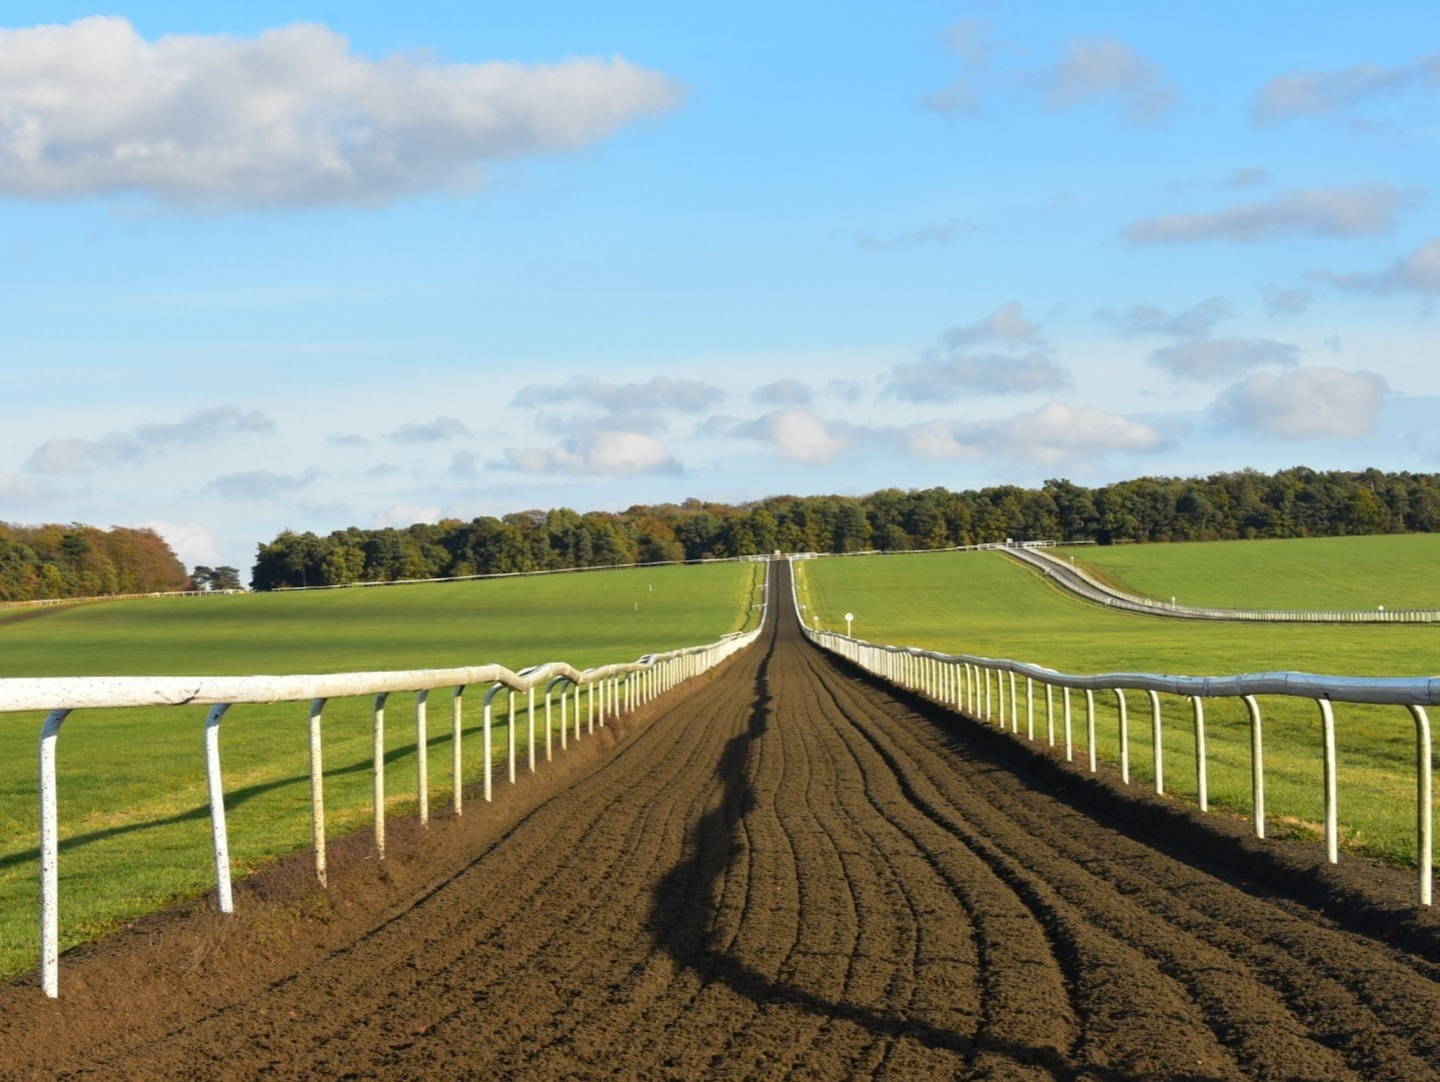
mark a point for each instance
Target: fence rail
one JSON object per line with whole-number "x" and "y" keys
{"x": 44, "y": 602}
{"x": 1077, "y": 580}
{"x": 608, "y": 690}
{"x": 976, "y": 686}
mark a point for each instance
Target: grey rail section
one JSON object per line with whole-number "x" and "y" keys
{"x": 1081, "y": 583}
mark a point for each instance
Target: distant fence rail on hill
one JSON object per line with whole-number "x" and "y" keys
{"x": 50, "y": 601}
{"x": 608, "y": 690}
{"x": 1077, "y": 580}
{"x": 977, "y": 686}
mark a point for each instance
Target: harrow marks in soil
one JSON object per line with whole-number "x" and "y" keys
{"x": 789, "y": 873}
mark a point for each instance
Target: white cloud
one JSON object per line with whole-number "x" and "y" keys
{"x": 1353, "y": 211}
{"x": 80, "y": 455}
{"x": 1417, "y": 272}
{"x": 258, "y": 485}
{"x": 289, "y": 117}
{"x": 1054, "y": 434}
{"x": 658, "y": 392}
{"x": 605, "y": 454}
{"x": 441, "y": 428}
{"x": 1006, "y": 324}
{"x": 400, "y": 515}
{"x": 798, "y": 435}
{"x": 1309, "y": 403}
{"x": 1287, "y": 302}
{"x": 193, "y": 542}
{"x": 1222, "y": 358}
{"x": 1315, "y": 93}
{"x": 1197, "y": 321}
{"x": 783, "y": 392}
{"x": 942, "y": 378}
{"x": 1094, "y": 69}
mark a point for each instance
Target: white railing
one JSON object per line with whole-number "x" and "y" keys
{"x": 963, "y": 682}
{"x": 43, "y": 602}
{"x": 1077, "y": 580}
{"x": 609, "y": 690}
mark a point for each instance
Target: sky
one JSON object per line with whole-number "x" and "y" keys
{"x": 310, "y": 265}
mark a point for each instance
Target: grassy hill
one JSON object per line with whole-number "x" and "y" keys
{"x": 1399, "y": 571}
{"x": 134, "y": 822}
{"x": 984, "y": 603}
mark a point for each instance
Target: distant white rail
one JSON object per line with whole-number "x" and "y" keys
{"x": 50, "y": 602}
{"x": 963, "y": 682}
{"x": 1079, "y": 581}
{"x": 609, "y": 690}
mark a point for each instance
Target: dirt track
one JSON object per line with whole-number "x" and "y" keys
{"x": 790, "y": 873}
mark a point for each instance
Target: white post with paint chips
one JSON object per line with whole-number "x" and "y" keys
{"x": 457, "y": 767}
{"x": 422, "y": 758}
{"x": 317, "y": 790}
{"x": 49, "y": 857}
{"x": 1332, "y": 824}
{"x": 1424, "y": 806}
{"x": 1257, "y": 766}
{"x": 219, "y": 835}
{"x": 377, "y": 797}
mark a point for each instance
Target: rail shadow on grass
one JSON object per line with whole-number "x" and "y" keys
{"x": 234, "y": 798}
{"x": 681, "y": 912}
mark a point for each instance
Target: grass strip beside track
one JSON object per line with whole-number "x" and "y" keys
{"x": 1399, "y": 571}
{"x": 983, "y": 603}
{"x": 133, "y": 812}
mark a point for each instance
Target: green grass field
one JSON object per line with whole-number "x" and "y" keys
{"x": 984, "y": 603}
{"x": 1399, "y": 571}
{"x": 133, "y": 815}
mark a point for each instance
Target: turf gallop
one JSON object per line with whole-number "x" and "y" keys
{"x": 784, "y": 872}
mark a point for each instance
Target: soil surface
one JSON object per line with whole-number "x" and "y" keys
{"x": 782, "y": 871}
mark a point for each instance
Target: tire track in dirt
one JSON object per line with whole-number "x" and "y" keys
{"x": 794, "y": 873}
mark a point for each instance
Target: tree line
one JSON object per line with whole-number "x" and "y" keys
{"x": 72, "y": 560}
{"x": 1297, "y": 502}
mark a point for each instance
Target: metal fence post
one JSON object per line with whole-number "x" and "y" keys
{"x": 1332, "y": 826}
{"x": 317, "y": 790}
{"x": 1090, "y": 727}
{"x": 1069, "y": 729}
{"x": 1257, "y": 766}
{"x": 219, "y": 835}
{"x": 1424, "y": 807}
{"x": 422, "y": 758}
{"x": 1158, "y": 743}
{"x": 457, "y": 767}
{"x": 49, "y": 857}
{"x": 1202, "y": 773}
{"x": 1124, "y": 720}
{"x": 378, "y": 773}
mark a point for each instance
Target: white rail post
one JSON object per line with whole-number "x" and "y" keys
{"x": 219, "y": 835}
{"x": 549, "y": 727}
{"x": 1124, "y": 718}
{"x": 590, "y": 706}
{"x": 1069, "y": 729}
{"x": 989, "y": 713}
{"x": 457, "y": 765}
{"x": 1202, "y": 773}
{"x": 1157, "y": 736}
{"x": 1257, "y": 766}
{"x": 1014, "y": 707}
{"x": 1424, "y": 807}
{"x": 530, "y": 730}
{"x": 422, "y": 758}
{"x": 1332, "y": 821}
{"x": 1029, "y": 708}
{"x": 378, "y": 780}
{"x": 486, "y": 740}
{"x": 1050, "y": 715}
{"x": 317, "y": 790}
{"x": 577, "y": 713}
{"x": 1090, "y": 727}
{"x": 510, "y": 732}
{"x": 49, "y": 857}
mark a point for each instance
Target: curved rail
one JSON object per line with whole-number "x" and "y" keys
{"x": 1080, "y": 582}
{"x": 609, "y": 689}
{"x": 963, "y": 682}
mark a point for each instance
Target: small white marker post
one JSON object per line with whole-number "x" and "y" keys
{"x": 849, "y": 620}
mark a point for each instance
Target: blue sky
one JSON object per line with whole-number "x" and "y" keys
{"x": 282, "y": 265}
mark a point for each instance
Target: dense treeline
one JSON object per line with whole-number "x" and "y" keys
{"x": 1292, "y": 503}
{"x": 83, "y": 561}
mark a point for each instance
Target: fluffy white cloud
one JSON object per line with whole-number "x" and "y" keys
{"x": 1093, "y": 69}
{"x": 1354, "y": 211}
{"x": 441, "y": 428}
{"x": 1314, "y": 93}
{"x": 798, "y": 435}
{"x": 1222, "y": 358}
{"x": 193, "y": 542}
{"x": 783, "y": 392}
{"x": 1417, "y": 272}
{"x": 80, "y": 454}
{"x": 1049, "y": 436}
{"x": 258, "y": 485}
{"x": 658, "y": 392}
{"x": 289, "y": 117}
{"x": 1309, "y": 403}
{"x": 945, "y": 378}
{"x": 606, "y": 454}
{"x": 1006, "y": 324}
{"x": 1197, "y": 321}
